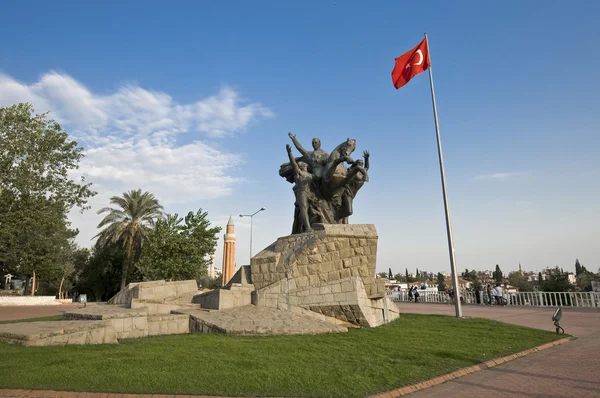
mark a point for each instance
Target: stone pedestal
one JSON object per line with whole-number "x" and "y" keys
{"x": 330, "y": 271}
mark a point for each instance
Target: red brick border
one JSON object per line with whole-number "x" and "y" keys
{"x": 465, "y": 371}
{"x": 389, "y": 394}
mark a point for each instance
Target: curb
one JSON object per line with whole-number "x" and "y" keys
{"x": 389, "y": 394}
{"x": 399, "y": 392}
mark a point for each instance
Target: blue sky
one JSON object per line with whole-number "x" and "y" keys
{"x": 193, "y": 101}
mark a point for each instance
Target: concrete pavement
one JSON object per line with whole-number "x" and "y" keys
{"x": 566, "y": 371}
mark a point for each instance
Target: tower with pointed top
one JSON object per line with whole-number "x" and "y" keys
{"x": 228, "y": 252}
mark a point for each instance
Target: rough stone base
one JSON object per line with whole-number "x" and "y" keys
{"x": 330, "y": 271}
{"x": 253, "y": 320}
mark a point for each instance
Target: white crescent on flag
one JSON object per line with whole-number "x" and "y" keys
{"x": 421, "y": 60}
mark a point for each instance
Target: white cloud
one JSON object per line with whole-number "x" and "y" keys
{"x": 130, "y": 137}
{"x": 501, "y": 176}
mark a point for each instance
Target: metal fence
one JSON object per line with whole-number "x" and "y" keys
{"x": 539, "y": 299}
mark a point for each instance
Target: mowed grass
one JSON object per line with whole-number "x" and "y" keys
{"x": 40, "y": 319}
{"x": 353, "y": 364}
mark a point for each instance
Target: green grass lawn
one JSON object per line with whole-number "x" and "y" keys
{"x": 40, "y": 319}
{"x": 353, "y": 364}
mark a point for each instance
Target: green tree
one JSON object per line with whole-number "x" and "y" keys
{"x": 406, "y": 273}
{"x": 37, "y": 160}
{"x": 519, "y": 281}
{"x": 577, "y": 267}
{"x": 98, "y": 274}
{"x": 129, "y": 224}
{"x": 498, "y": 274}
{"x": 36, "y": 157}
{"x": 557, "y": 281}
{"x": 584, "y": 280}
{"x": 35, "y": 236}
{"x": 441, "y": 282}
{"x": 178, "y": 248}
{"x": 383, "y": 275}
{"x": 390, "y": 275}
{"x": 540, "y": 278}
{"x": 399, "y": 277}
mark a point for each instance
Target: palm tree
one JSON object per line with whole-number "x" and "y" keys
{"x": 129, "y": 225}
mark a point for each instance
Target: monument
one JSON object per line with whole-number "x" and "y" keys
{"x": 319, "y": 279}
{"x": 326, "y": 267}
{"x": 228, "y": 252}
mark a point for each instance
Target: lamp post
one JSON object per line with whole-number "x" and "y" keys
{"x": 251, "y": 216}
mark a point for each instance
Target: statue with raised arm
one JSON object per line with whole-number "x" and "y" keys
{"x": 357, "y": 176}
{"x": 302, "y": 189}
{"x": 323, "y": 185}
{"x": 315, "y": 159}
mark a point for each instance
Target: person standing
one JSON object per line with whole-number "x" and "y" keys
{"x": 499, "y": 295}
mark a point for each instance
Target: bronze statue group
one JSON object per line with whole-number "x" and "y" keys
{"x": 324, "y": 187}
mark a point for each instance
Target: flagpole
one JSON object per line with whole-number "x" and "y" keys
{"x": 457, "y": 305}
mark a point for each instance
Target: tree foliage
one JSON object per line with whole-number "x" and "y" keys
{"x": 519, "y": 281}
{"x": 557, "y": 281}
{"x": 129, "y": 224}
{"x": 98, "y": 273}
{"x": 498, "y": 274}
{"x": 179, "y": 248}
{"x": 441, "y": 282}
{"x": 36, "y": 156}
{"x": 37, "y": 159}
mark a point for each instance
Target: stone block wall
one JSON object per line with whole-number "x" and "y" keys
{"x": 330, "y": 271}
{"x": 333, "y": 252}
{"x": 234, "y": 295}
{"x": 168, "y": 324}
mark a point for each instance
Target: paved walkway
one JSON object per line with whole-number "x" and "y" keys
{"x": 569, "y": 370}
{"x": 9, "y": 313}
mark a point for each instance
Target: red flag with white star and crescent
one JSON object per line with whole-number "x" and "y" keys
{"x": 410, "y": 64}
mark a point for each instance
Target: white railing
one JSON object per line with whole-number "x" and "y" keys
{"x": 539, "y": 299}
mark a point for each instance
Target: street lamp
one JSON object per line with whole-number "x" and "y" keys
{"x": 251, "y": 216}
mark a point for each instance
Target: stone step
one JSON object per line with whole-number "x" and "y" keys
{"x": 58, "y": 333}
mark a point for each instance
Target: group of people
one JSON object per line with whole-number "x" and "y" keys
{"x": 413, "y": 292}
{"x": 496, "y": 293}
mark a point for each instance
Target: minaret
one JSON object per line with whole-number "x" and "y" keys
{"x": 228, "y": 253}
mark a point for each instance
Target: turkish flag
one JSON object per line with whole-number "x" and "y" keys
{"x": 410, "y": 64}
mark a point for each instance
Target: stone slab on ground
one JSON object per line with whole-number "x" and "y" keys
{"x": 254, "y": 320}
{"x": 58, "y": 333}
{"x": 99, "y": 312}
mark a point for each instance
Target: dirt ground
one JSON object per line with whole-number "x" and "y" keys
{"x": 10, "y": 313}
